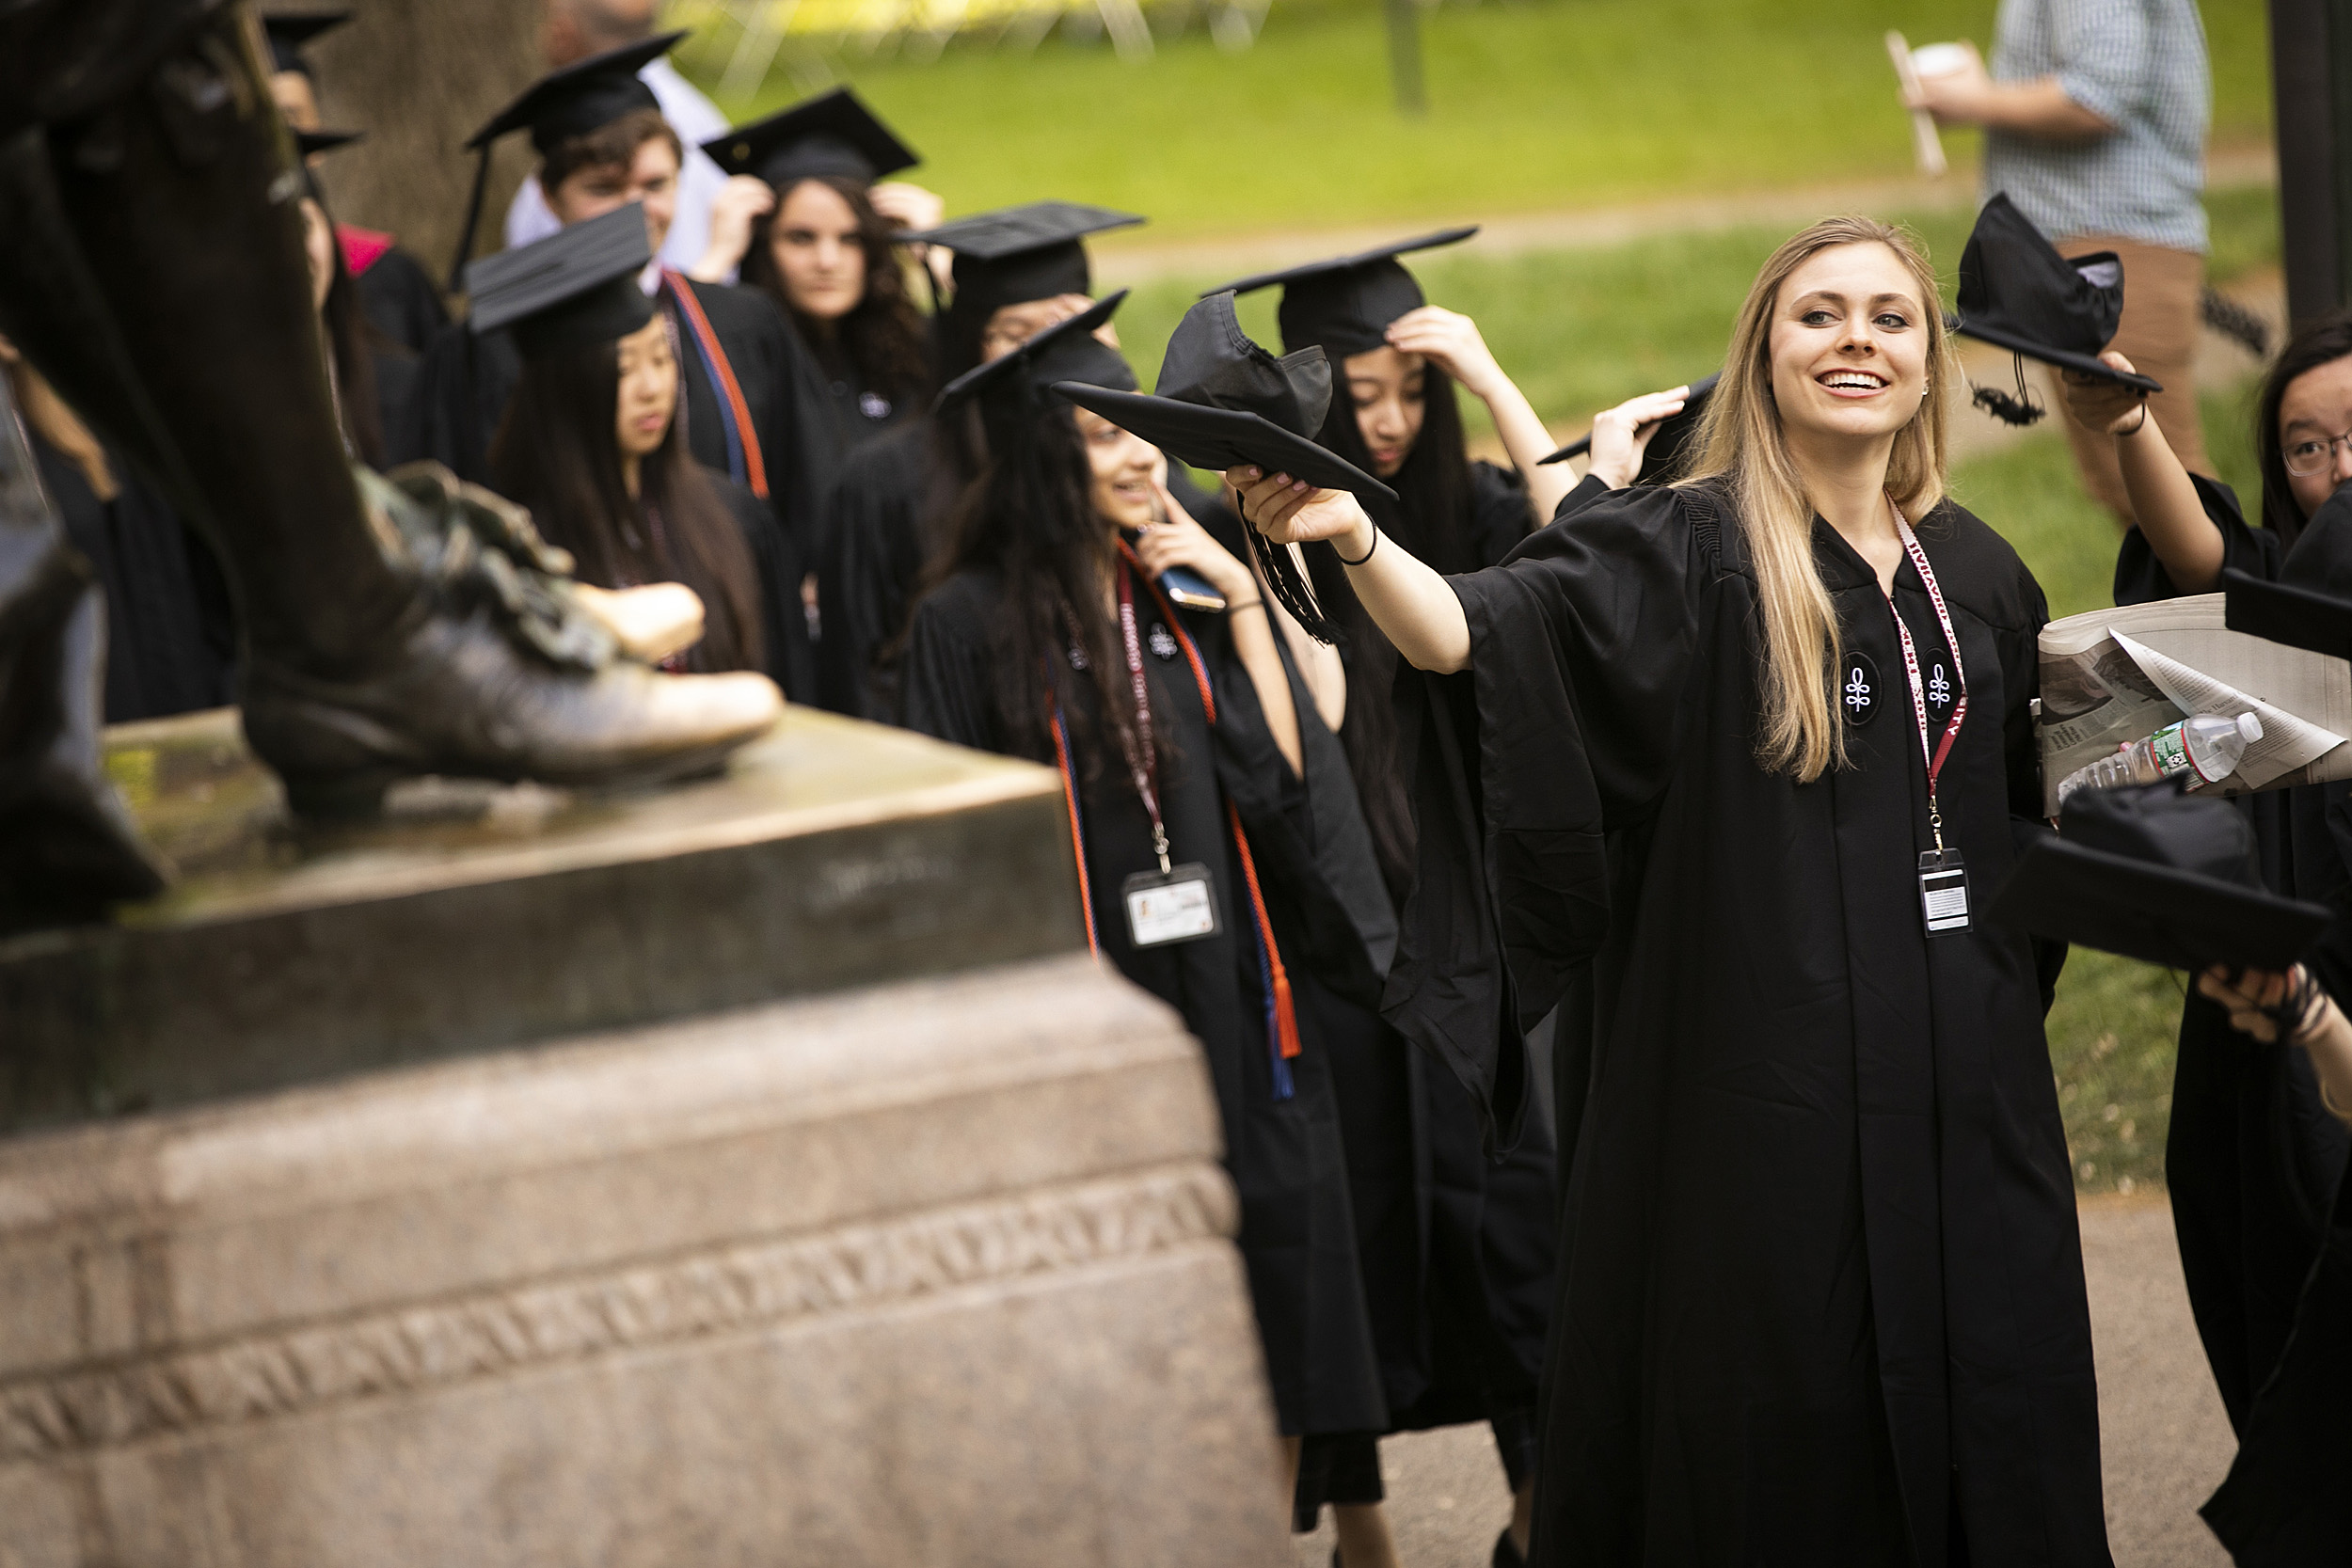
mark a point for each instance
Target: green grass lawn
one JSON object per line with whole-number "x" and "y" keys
{"x": 1543, "y": 104}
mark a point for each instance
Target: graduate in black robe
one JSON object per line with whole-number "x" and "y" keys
{"x": 591, "y": 441}
{"x": 1019, "y": 651}
{"x": 822, "y": 248}
{"x": 1822, "y": 1293}
{"x": 1016, "y": 270}
{"x": 736, "y": 357}
{"x": 2254, "y": 1162}
{"x": 1458, "y": 1249}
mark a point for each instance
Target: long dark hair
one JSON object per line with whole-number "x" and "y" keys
{"x": 880, "y": 341}
{"x": 1029, "y": 521}
{"x": 1431, "y": 517}
{"x": 556, "y": 452}
{"x": 2320, "y": 343}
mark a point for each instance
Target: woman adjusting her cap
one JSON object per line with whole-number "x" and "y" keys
{"x": 1778, "y": 711}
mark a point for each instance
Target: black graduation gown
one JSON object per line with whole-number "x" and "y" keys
{"x": 2284, "y": 1503}
{"x": 171, "y": 636}
{"x": 399, "y": 299}
{"x": 840, "y": 415}
{"x": 466, "y": 379}
{"x": 886, "y": 520}
{"x": 2252, "y": 1158}
{"x": 1457, "y": 1249}
{"x": 1822, "y": 1286}
{"x": 1286, "y": 1157}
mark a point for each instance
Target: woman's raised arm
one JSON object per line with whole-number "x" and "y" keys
{"x": 1410, "y": 603}
{"x": 2164, "y": 502}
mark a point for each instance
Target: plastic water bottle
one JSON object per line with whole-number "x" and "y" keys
{"x": 2209, "y": 745}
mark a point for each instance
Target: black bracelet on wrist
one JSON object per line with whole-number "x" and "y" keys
{"x": 2126, "y": 435}
{"x": 1366, "y": 556}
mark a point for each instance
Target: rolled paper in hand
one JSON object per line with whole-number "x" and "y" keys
{"x": 1925, "y": 143}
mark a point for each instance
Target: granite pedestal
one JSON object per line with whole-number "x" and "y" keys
{"x": 756, "y": 1171}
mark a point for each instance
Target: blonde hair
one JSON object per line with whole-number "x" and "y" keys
{"x": 1740, "y": 440}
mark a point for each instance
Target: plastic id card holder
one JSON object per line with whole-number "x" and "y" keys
{"x": 1165, "y": 907}
{"x": 1943, "y": 892}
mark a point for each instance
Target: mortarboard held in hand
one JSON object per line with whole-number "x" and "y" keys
{"x": 578, "y": 286}
{"x": 1346, "y": 303}
{"x": 831, "y": 137}
{"x": 1018, "y": 254}
{"x": 586, "y": 96}
{"x": 2157, "y": 875}
{"x": 2017, "y": 292}
{"x": 1661, "y": 459}
{"x": 1222, "y": 400}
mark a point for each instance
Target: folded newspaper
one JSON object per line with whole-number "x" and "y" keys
{"x": 2110, "y": 676}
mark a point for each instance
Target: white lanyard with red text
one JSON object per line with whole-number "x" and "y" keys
{"x": 1943, "y": 877}
{"x": 1177, "y": 903}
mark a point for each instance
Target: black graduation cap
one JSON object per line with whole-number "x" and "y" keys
{"x": 831, "y": 135}
{"x": 308, "y": 143}
{"x": 1064, "y": 355}
{"x": 2157, "y": 875}
{"x": 577, "y": 286}
{"x": 1017, "y": 254}
{"x": 1661, "y": 458}
{"x": 1223, "y": 400}
{"x": 1346, "y": 303}
{"x": 584, "y": 96}
{"x": 289, "y": 32}
{"x": 2017, "y": 291}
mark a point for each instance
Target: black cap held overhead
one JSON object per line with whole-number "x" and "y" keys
{"x": 584, "y": 96}
{"x": 833, "y": 137}
{"x": 1066, "y": 353}
{"x": 2159, "y": 876}
{"x": 2017, "y": 291}
{"x": 1018, "y": 254}
{"x": 1345, "y": 302}
{"x": 577, "y": 286}
{"x": 1223, "y": 401}
{"x": 289, "y": 32}
{"x": 1662, "y": 458}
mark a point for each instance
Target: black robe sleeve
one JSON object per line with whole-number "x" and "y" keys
{"x": 463, "y": 383}
{"x": 2141, "y": 577}
{"x": 1306, "y": 829}
{"x": 1563, "y": 728}
{"x": 945, "y": 683}
{"x": 1588, "y": 490}
{"x": 873, "y": 560}
{"x": 783, "y": 627}
{"x": 1500, "y": 518}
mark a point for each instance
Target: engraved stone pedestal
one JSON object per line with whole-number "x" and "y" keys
{"x": 570, "y": 1181}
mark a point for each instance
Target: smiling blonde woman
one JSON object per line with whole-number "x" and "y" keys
{"x": 1756, "y": 746}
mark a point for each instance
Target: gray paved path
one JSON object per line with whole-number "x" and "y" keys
{"x": 2165, "y": 1440}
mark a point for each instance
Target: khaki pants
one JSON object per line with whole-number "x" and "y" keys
{"x": 2158, "y": 335}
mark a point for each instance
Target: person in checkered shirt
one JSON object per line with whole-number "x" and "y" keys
{"x": 2094, "y": 113}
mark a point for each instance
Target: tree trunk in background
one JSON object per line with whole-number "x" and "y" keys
{"x": 418, "y": 76}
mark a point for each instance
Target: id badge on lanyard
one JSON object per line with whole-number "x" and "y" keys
{"x": 1943, "y": 876}
{"x": 1176, "y": 903}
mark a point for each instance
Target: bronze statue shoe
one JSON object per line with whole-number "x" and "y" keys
{"x": 499, "y": 672}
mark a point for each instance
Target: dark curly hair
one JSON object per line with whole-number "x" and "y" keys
{"x": 881, "y": 340}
